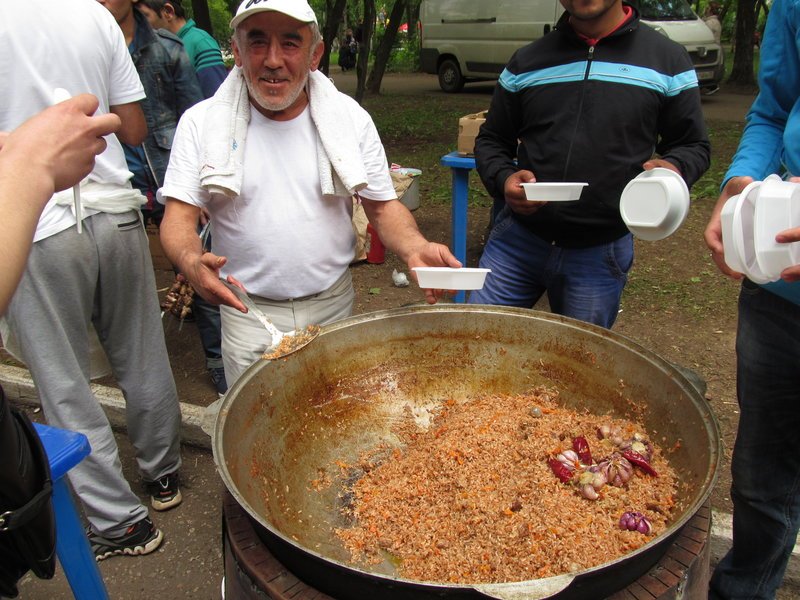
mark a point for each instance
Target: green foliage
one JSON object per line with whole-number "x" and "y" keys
{"x": 418, "y": 130}
{"x": 220, "y": 22}
{"x": 405, "y": 55}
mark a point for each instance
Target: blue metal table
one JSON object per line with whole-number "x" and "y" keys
{"x": 460, "y": 167}
{"x": 65, "y": 449}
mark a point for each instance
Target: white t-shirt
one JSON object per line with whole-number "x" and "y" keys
{"x": 75, "y": 45}
{"x": 281, "y": 237}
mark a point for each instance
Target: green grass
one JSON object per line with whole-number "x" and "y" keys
{"x": 724, "y": 137}
{"x": 418, "y": 130}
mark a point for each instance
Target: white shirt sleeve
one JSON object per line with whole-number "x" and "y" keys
{"x": 379, "y": 186}
{"x": 124, "y": 83}
{"x": 182, "y": 179}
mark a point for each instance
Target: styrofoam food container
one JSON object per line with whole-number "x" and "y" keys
{"x": 553, "y": 191}
{"x": 776, "y": 209}
{"x": 743, "y": 240}
{"x": 729, "y": 242}
{"x": 654, "y": 204}
{"x": 446, "y": 278}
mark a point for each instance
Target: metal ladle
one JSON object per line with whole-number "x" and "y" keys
{"x": 282, "y": 344}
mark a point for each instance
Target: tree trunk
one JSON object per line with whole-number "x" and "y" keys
{"x": 333, "y": 17}
{"x": 367, "y": 27}
{"x": 384, "y": 50}
{"x": 413, "y": 19}
{"x": 761, "y": 5}
{"x": 202, "y": 16}
{"x": 726, "y": 6}
{"x": 742, "y": 71}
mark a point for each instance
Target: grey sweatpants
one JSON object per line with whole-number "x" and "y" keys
{"x": 102, "y": 277}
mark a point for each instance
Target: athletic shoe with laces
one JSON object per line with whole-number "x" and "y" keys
{"x": 140, "y": 538}
{"x": 164, "y": 492}
{"x": 218, "y": 379}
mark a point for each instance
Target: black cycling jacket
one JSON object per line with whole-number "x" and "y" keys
{"x": 571, "y": 112}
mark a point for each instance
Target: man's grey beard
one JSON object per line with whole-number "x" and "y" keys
{"x": 264, "y": 101}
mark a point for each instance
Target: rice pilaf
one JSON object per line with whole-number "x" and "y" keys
{"x": 471, "y": 499}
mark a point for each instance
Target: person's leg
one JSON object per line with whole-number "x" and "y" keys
{"x": 766, "y": 456}
{"x": 128, "y": 323}
{"x": 244, "y": 340}
{"x": 587, "y": 283}
{"x": 209, "y": 326}
{"x": 333, "y": 304}
{"x": 517, "y": 260}
{"x": 50, "y": 316}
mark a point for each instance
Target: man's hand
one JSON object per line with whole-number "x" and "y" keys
{"x": 515, "y": 194}
{"x": 61, "y": 142}
{"x": 182, "y": 246}
{"x": 659, "y": 162}
{"x": 713, "y": 232}
{"x": 399, "y": 233}
{"x": 432, "y": 254}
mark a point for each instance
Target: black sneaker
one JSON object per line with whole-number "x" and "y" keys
{"x": 140, "y": 538}
{"x": 218, "y": 379}
{"x": 164, "y": 493}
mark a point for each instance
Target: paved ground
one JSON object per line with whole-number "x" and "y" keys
{"x": 189, "y": 565}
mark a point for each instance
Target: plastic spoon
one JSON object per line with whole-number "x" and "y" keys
{"x": 59, "y": 95}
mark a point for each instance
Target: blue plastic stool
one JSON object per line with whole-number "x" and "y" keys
{"x": 65, "y": 449}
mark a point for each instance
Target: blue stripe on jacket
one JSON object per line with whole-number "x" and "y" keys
{"x": 668, "y": 85}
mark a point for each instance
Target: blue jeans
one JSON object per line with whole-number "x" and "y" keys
{"x": 209, "y": 327}
{"x": 582, "y": 283}
{"x": 766, "y": 455}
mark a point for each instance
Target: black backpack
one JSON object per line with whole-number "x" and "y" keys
{"x": 27, "y": 522}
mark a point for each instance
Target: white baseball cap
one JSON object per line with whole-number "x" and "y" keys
{"x": 297, "y": 9}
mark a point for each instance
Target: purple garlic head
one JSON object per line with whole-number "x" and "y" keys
{"x": 612, "y": 434}
{"x": 640, "y": 444}
{"x": 635, "y": 521}
{"x": 590, "y": 482}
{"x": 616, "y": 469}
{"x": 569, "y": 458}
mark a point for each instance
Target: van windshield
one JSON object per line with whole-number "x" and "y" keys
{"x": 665, "y": 10}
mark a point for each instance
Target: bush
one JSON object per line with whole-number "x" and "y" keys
{"x": 405, "y": 56}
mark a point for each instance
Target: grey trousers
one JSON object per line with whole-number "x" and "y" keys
{"x": 102, "y": 278}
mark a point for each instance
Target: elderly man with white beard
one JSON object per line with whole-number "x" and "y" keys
{"x": 276, "y": 157}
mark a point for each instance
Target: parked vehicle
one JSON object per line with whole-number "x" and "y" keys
{"x": 472, "y": 40}
{"x": 677, "y": 20}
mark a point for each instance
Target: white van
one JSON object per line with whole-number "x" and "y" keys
{"x": 472, "y": 40}
{"x": 680, "y": 23}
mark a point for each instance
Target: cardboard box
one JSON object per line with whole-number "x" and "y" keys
{"x": 468, "y": 127}
{"x": 160, "y": 260}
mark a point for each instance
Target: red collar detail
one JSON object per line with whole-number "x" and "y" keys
{"x": 628, "y": 14}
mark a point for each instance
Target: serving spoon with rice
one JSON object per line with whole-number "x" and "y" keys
{"x": 282, "y": 344}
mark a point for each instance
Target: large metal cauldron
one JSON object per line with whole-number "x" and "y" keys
{"x": 286, "y": 422}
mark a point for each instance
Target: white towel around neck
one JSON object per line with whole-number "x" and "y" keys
{"x": 341, "y": 167}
